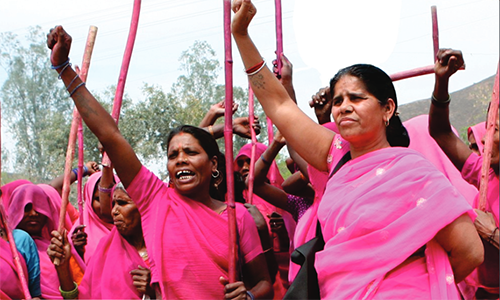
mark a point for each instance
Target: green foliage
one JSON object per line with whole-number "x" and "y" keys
{"x": 36, "y": 106}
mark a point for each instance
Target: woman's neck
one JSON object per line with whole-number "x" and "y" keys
{"x": 136, "y": 240}
{"x": 359, "y": 150}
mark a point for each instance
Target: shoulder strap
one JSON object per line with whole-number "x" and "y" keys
{"x": 342, "y": 161}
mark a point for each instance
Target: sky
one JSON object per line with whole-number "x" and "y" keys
{"x": 320, "y": 37}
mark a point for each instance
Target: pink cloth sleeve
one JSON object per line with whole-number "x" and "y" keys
{"x": 249, "y": 237}
{"x": 471, "y": 171}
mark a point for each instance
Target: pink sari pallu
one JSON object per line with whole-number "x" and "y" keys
{"x": 376, "y": 212}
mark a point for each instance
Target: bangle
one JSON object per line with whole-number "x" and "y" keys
{"x": 104, "y": 190}
{"x": 251, "y": 73}
{"x": 440, "y": 103}
{"x": 264, "y": 160}
{"x": 492, "y": 235}
{"x": 250, "y": 295}
{"x": 211, "y": 130}
{"x": 61, "y": 65}
{"x": 64, "y": 69}
{"x": 75, "y": 171}
{"x": 267, "y": 250}
{"x": 70, "y": 294}
{"x": 85, "y": 171}
{"x": 254, "y": 68}
{"x": 73, "y": 80}
{"x": 74, "y": 90}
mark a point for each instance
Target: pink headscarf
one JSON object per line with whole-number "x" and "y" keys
{"x": 478, "y": 130}
{"x": 10, "y": 284}
{"x": 108, "y": 274}
{"x": 8, "y": 188}
{"x": 421, "y": 141}
{"x": 377, "y": 210}
{"x": 22, "y": 196}
{"x": 95, "y": 228}
{"x": 56, "y": 200}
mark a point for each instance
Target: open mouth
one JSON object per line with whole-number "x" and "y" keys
{"x": 184, "y": 175}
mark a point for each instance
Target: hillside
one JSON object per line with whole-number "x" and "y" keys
{"x": 468, "y": 106}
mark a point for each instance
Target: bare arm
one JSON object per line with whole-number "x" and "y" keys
{"x": 262, "y": 188}
{"x": 99, "y": 121}
{"x": 463, "y": 245}
{"x": 105, "y": 185}
{"x": 57, "y": 182}
{"x": 447, "y": 63}
{"x": 299, "y": 130}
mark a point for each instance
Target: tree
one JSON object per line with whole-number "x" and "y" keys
{"x": 35, "y": 106}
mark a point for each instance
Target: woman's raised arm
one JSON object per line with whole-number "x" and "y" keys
{"x": 299, "y": 130}
{"x": 100, "y": 122}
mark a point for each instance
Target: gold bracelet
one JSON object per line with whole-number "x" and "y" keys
{"x": 211, "y": 130}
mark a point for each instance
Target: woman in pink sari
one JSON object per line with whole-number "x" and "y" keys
{"x": 486, "y": 278}
{"x": 393, "y": 225}
{"x": 119, "y": 268}
{"x": 185, "y": 230}
{"x": 32, "y": 211}
{"x": 475, "y": 136}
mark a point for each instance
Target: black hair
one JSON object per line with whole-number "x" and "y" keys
{"x": 379, "y": 84}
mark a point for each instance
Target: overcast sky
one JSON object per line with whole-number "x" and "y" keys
{"x": 320, "y": 36}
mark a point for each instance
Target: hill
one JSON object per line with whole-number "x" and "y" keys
{"x": 468, "y": 106}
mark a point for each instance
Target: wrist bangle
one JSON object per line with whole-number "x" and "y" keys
{"x": 104, "y": 190}
{"x": 76, "y": 88}
{"x": 85, "y": 171}
{"x": 251, "y": 72}
{"x": 75, "y": 171}
{"x": 61, "y": 65}
{"x": 492, "y": 235}
{"x": 70, "y": 294}
{"x": 264, "y": 160}
{"x": 211, "y": 130}
{"x": 250, "y": 295}
{"x": 440, "y": 103}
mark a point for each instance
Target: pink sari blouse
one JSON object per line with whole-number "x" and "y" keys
{"x": 377, "y": 210}
{"x": 187, "y": 242}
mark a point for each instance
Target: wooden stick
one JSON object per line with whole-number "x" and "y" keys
{"x": 251, "y": 172}
{"x": 228, "y": 141}
{"x": 120, "y": 88}
{"x": 89, "y": 48}
{"x": 5, "y": 223}
{"x": 70, "y": 151}
{"x": 488, "y": 145}
{"x": 415, "y": 72}
{"x": 279, "y": 34}
{"x": 435, "y": 31}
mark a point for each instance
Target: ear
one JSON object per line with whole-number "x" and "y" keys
{"x": 390, "y": 108}
{"x": 214, "y": 163}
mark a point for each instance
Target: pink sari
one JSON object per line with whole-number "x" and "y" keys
{"x": 187, "y": 241}
{"x": 108, "y": 274}
{"x": 56, "y": 200}
{"x": 30, "y": 193}
{"x": 95, "y": 228}
{"x": 10, "y": 284}
{"x": 8, "y": 188}
{"x": 368, "y": 217}
{"x": 478, "y": 131}
{"x": 306, "y": 226}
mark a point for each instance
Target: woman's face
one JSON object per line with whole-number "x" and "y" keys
{"x": 125, "y": 214}
{"x": 357, "y": 113}
{"x": 243, "y": 166}
{"x": 189, "y": 166}
{"x": 472, "y": 143}
{"x": 33, "y": 221}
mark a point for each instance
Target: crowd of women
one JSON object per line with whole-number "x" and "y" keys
{"x": 396, "y": 203}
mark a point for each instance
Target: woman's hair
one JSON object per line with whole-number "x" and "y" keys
{"x": 379, "y": 84}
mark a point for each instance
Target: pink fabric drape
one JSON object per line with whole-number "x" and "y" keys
{"x": 478, "y": 130}
{"x": 306, "y": 226}
{"x": 35, "y": 195}
{"x": 376, "y": 212}
{"x": 56, "y": 200}
{"x": 95, "y": 228}
{"x": 10, "y": 284}
{"x": 421, "y": 141}
{"x": 8, "y": 188}
{"x": 187, "y": 241}
{"x": 108, "y": 274}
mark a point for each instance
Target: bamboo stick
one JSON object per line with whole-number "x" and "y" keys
{"x": 120, "y": 88}
{"x": 228, "y": 141}
{"x": 488, "y": 145}
{"x": 89, "y": 48}
{"x": 70, "y": 151}
{"x": 10, "y": 238}
{"x": 435, "y": 31}
{"x": 251, "y": 173}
